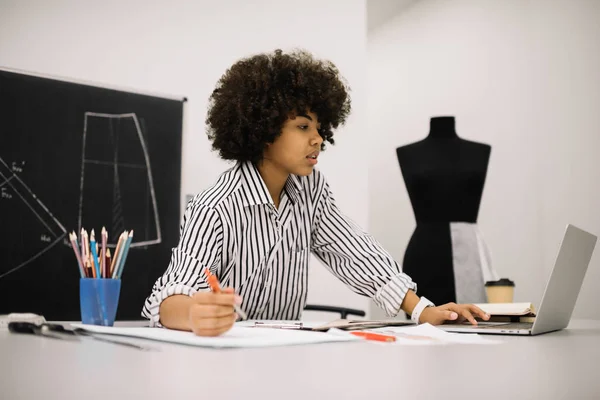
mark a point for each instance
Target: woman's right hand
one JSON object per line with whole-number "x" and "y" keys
{"x": 212, "y": 314}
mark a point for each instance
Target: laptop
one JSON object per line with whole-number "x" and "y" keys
{"x": 559, "y": 296}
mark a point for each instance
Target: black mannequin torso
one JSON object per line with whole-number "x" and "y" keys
{"x": 444, "y": 177}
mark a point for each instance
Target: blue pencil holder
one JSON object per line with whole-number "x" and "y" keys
{"x": 99, "y": 300}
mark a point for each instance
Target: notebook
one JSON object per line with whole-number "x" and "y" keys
{"x": 509, "y": 312}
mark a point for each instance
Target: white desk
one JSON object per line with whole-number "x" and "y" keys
{"x": 559, "y": 365}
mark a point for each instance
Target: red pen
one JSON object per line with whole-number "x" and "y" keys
{"x": 213, "y": 282}
{"x": 374, "y": 336}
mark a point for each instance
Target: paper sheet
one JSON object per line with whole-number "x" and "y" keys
{"x": 238, "y": 336}
{"x": 427, "y": 334}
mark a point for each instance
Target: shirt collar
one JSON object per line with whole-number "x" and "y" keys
{"x": 293, "y": 187}
{"x": 256, "y": 191}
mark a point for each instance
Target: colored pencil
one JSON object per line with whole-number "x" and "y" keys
{"x": 94, "y": 249}
{"x": 107, "y": 263}
{"x": 125, "y": 251}
{"x": 75, "y": 246}
{"x": 103, "y": 253}
{"x": 82, "y": 243}
{"x": 118, "y": 254}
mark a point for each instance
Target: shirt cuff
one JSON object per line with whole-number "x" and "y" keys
{"x": 390, "y": 296}
{"x": 152, "y": 308}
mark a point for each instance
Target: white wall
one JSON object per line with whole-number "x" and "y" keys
{"x": 521, "y": 76}
{"x": 181, "y": 48}
{"x": 381, "y": 11}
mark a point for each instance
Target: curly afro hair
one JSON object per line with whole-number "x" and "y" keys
{"x": 258, "y": 94}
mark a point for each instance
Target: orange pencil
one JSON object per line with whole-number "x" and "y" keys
{"x": 91, "y": 263}
{"x": 213, "y": 282}
{"x": 374, "y": 336}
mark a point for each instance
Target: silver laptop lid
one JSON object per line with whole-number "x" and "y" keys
{"x": 565, "y": 280}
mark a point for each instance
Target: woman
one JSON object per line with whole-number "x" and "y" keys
{"x": 256, "y": 226}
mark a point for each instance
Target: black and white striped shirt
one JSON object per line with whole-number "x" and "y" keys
{"x": 263, "y": 252}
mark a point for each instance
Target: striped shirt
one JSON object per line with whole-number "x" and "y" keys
{"x": 235, "y": 230}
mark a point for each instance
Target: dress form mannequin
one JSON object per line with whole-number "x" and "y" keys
{"x": 445, "y": 177}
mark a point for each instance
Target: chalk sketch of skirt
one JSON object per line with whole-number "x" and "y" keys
{"x": 116, "y": 188}
{"x": 27, "y": 227}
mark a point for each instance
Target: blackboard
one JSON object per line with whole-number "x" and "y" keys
{"x": 74, "y": 155}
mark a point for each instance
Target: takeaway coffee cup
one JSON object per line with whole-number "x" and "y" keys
{"x": 500, "y": 291}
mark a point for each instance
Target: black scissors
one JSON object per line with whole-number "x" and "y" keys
{"x": 58, "y": 331}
